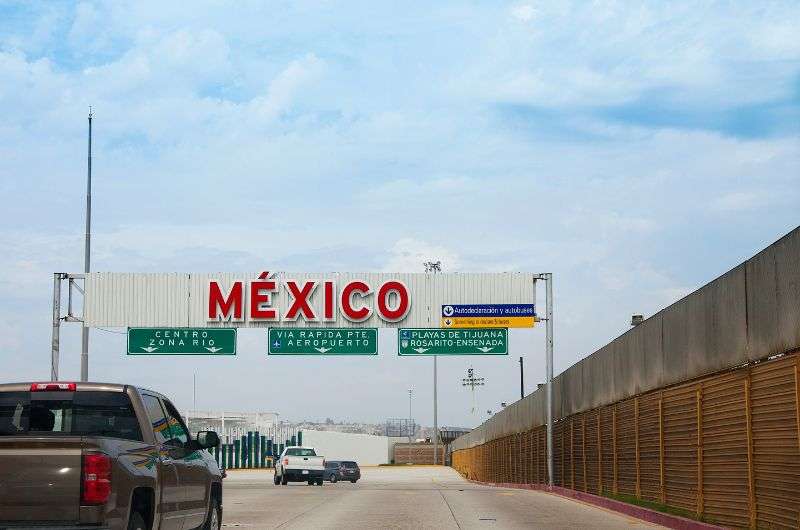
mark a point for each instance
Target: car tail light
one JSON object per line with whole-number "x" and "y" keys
{"x": 95, "y": 478}
{"x": 47, "y": 387}
{"x": 285, "y": 461}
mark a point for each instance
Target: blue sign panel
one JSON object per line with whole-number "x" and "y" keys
{"x": 488, "y": 316}
{"x": 488, "y": 310}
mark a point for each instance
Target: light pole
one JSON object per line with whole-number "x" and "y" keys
{"x": 87, "y": 254}
{"x": 434, "y": 267}
{"x": 410, "y": 433}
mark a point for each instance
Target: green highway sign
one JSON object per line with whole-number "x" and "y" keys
{"x": 466, "y": 341}
{"x": 181, "y": 341}
{"x": 323, "y": 341}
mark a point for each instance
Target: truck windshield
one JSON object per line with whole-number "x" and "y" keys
{"x": 297, "y": 451}
{"x": 68, "y": 413}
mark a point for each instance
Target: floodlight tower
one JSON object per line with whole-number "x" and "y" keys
{"x": 471, "y": 381}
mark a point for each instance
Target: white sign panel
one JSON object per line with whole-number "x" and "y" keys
{"x": 286, "y": 299}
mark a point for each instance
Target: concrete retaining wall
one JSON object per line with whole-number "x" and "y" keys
{"x": 749, "y": 313}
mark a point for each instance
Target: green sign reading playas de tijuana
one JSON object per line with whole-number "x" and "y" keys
{"x": 468, "y": 341}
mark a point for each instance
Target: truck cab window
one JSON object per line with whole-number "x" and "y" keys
{"x": 158, "y": 420}
{"x": 177, "y": 429}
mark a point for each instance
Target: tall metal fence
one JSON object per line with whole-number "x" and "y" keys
{"x": 252, "y": 450}
{"x": 726, "y": 447}
{"x": 417, "y": 453}
{"x": 698, "y": 407}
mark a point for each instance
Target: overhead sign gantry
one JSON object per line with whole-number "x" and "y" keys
{"x": 280, "y": 300}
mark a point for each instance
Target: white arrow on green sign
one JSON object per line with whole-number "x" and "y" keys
{"x": 181, "y": 341}
{"x": 323, "y": 341}
{"x": 467, "y": 341}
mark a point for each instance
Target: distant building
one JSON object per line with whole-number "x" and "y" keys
{"x": 230, "y": 423}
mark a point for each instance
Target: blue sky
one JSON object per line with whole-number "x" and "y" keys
{"x": 634, "y": 150}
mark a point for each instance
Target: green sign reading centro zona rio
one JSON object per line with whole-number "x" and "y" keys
{"x": 181, "y": 341}
{"x": 323, "y": 341}
{"x": 466, "y": 341}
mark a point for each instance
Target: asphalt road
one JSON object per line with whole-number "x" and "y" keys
{"x": 403, "y": 497}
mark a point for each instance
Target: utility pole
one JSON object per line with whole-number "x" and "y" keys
{"x": 521, "y": 380}
{"x": 434, "y": 267}
{"x": 87, "y": 254}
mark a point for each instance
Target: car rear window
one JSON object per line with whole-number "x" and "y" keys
{"x": 297, "y": 451}
{"x": 73, "y": 413}
{"x": 351, "y": 465}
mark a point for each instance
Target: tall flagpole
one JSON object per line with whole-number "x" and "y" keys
{"x": 87, "y": 253}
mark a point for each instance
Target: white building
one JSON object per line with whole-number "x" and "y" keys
{"x": 231, "y": 424}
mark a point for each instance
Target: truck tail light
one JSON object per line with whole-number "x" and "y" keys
{"x": 50, "y": 387}
{"x": 95, "y": 478}
{"x": 285, "y": 461}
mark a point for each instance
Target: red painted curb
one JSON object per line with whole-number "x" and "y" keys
{"x": 645, "y": 514}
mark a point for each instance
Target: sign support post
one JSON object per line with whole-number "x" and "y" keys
{"x": 548, "y": 278}
{"x": 435, "y": 419}
{"x": 56, "y": 326}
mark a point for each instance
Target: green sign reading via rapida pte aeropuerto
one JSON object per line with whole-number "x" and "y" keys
{"x": 467, "y": 341}
{"x": 323, "y": 341}
{"x": 181, "y": 341}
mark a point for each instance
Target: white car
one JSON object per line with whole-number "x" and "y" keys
{"x": 299, "y": 464}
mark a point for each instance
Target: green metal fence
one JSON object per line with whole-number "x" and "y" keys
{"x": 252, "y": 450}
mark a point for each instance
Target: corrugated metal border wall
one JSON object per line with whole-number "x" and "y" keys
{"x": 726, "y": 447}
{"x": 628, "y": 420}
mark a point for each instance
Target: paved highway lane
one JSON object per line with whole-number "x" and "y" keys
{"x": 403, "y": 497}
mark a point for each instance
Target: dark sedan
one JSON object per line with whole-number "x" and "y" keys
{"x": 337, "y": 470}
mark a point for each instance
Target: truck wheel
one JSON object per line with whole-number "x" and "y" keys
{"x": 136, "y": 522}
{"x": 213, "y": 519}
{"x": 319, "y": 482}
{"x": 333, "y": 478}
{"x": 353, "y": 481}
{"x": 276, "y": 479}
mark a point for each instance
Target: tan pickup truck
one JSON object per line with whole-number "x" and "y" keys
{"x": 95, "y": 455}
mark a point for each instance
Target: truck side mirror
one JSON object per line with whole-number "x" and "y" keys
{"x": 207, "y": 439}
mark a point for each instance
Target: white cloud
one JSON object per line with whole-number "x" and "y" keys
{"x": 524, "y": 12}
{"x": 592, "y": 54}
{"x": 283, "y": 89}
